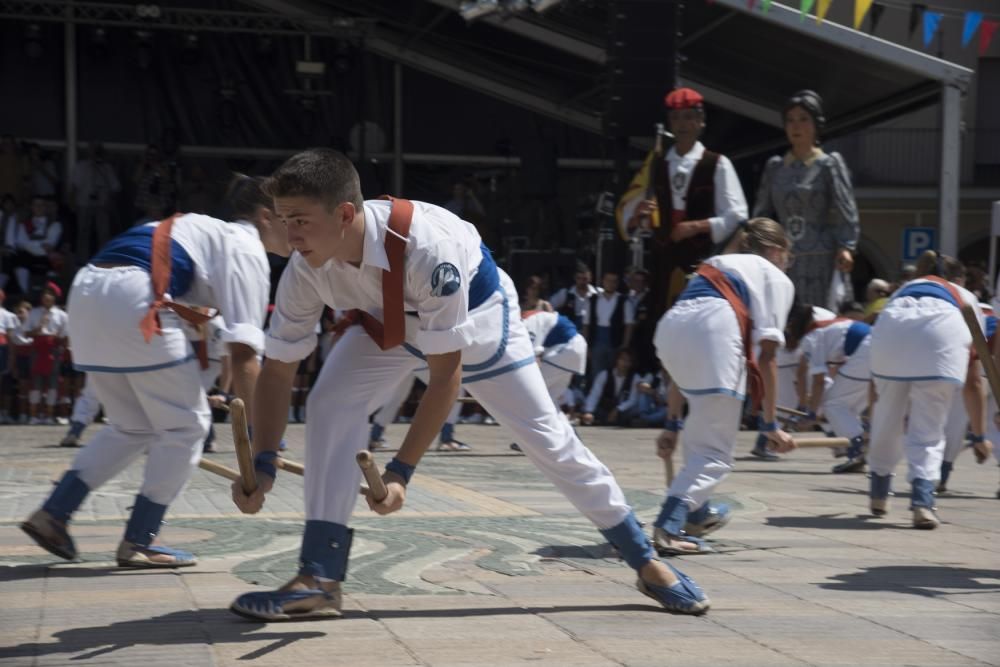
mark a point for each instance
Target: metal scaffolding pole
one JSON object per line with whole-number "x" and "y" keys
{"x": 951, "y": 153}
{"x": 69, "y": 93}
{"x": 397, "y": 129}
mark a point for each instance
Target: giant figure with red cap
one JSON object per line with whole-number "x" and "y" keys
{"x": 689, "y": 201}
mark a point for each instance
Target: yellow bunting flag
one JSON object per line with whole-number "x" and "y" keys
{"x": 824, "y": 7}
{"x": 861, "y": 8}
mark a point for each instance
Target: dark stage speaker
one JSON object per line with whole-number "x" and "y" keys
{"x": 641, "y": 65}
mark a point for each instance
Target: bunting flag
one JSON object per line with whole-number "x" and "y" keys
{"x": 861, "y": 8}
{"x": 824, "y": 7}
{"x": 765, "y": 5}
{"x": 972, "y": 21}
{"x": 916, "y": 14}
{"x": 931, "y": 22}
{"x": 805, "y": 8}
{"x": 876, "y": 16}
{"x": 986, "y": 34}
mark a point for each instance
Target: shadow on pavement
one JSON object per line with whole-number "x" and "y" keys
{"x": 832, "y": 522}
{"x": 925, "y": 580}
{"x": 73, "y": 570}
{"x": 772, "y": 471}
{"x": 497, "y": 611}
{"x": 215, "y": 626}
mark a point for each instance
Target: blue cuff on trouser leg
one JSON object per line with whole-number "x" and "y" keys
{"x": 376, "y": 432}
{"x": 922, "y": 493}
{"x": 946, "y": 468}
{"x": 699, "y": 515}
{"x": 67, "y": 496}
{"x": 673, "y": 515}
{"x": 631, "y": 542}
{"x": 77, "y": 428}
{"x": 325, "y": 548}
{"x": 880, "y": 486}
{"x": 856, "y": 448}
{"x": 144, "y": 524}
{"x": 447, "y": 432}
{"x": 761, "y": 444}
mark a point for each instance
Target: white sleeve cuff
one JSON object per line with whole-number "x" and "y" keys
{"x": 245, "y": 334}
{"x": 449, "y": 340}
{"x": 776, "y": 335}
{"x": 289, "y": 351}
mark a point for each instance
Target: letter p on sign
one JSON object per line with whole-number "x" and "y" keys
{"x": 916, "y": 240}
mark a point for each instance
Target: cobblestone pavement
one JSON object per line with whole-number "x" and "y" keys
{"x": 487, "y": 565}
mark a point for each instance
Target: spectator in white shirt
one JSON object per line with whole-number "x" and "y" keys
{"x": 613, "y": 397}
{"x": 34, "y": 240}
{"x": 574, "y": 302}
{"x": 609, "y": 323}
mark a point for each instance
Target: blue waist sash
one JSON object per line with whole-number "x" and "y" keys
{"x": 134, "y": 247}
{"x": 855, "y": 334}
{"x": 918, "y": 290}
{"x": 486, "y": 280}
{"x": 699, "y": 286}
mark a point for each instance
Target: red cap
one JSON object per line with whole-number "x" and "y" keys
{"x": 55, "y": 289}
{"x": 684, "y": 98}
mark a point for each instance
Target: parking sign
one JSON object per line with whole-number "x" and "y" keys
{"x": 916, "y": 240}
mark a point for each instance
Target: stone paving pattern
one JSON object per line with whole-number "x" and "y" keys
{"x": 487, "y": 565}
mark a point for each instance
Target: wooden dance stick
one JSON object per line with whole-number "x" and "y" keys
{"x": 803, "y": 443}
{"x": 290, "y": 466}
{"x": 219, "y": 469}
{"x": 244, "y": 450}
{"x": 982, "y": 348}
{"x": 234, "y": 475}
{"x": 372, "y": 476}
{"x": 791, "y": 411}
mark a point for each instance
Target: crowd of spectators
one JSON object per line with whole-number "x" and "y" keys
{"x": 46, "y": 236}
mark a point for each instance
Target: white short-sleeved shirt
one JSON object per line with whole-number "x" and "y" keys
{"x": 827, "y": 346}
{"x": 443, "y": 254}
{"x": 770, "y": 291}
{"x": 923, "y": 338}
{"x": 539, "y": 324}
{"x": 819, "y": 314}
{"x": 9, "y": 322}
{"x": 605, "y": 309}
{"x": 231, "y": 274}
{"x": 53, "y": 325}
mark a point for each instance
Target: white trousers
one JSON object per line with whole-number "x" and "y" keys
{"x": 151, "y": 392}
{"x": 162, "y": 413}
{"x": 358, "y": 376}
{"x": 956, "y": 427}
{"x": 708, "y": 441}
{"x": 843, "y": 403}
{"x": 386, "y": 414}
{"x": 87, "y": 405}
{"x": 560, "y": 363}
{"x": 927, "y": 403}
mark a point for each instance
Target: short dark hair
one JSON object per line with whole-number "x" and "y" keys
{"x": 245, "y": 195}
{"x": 319, "y": 173}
